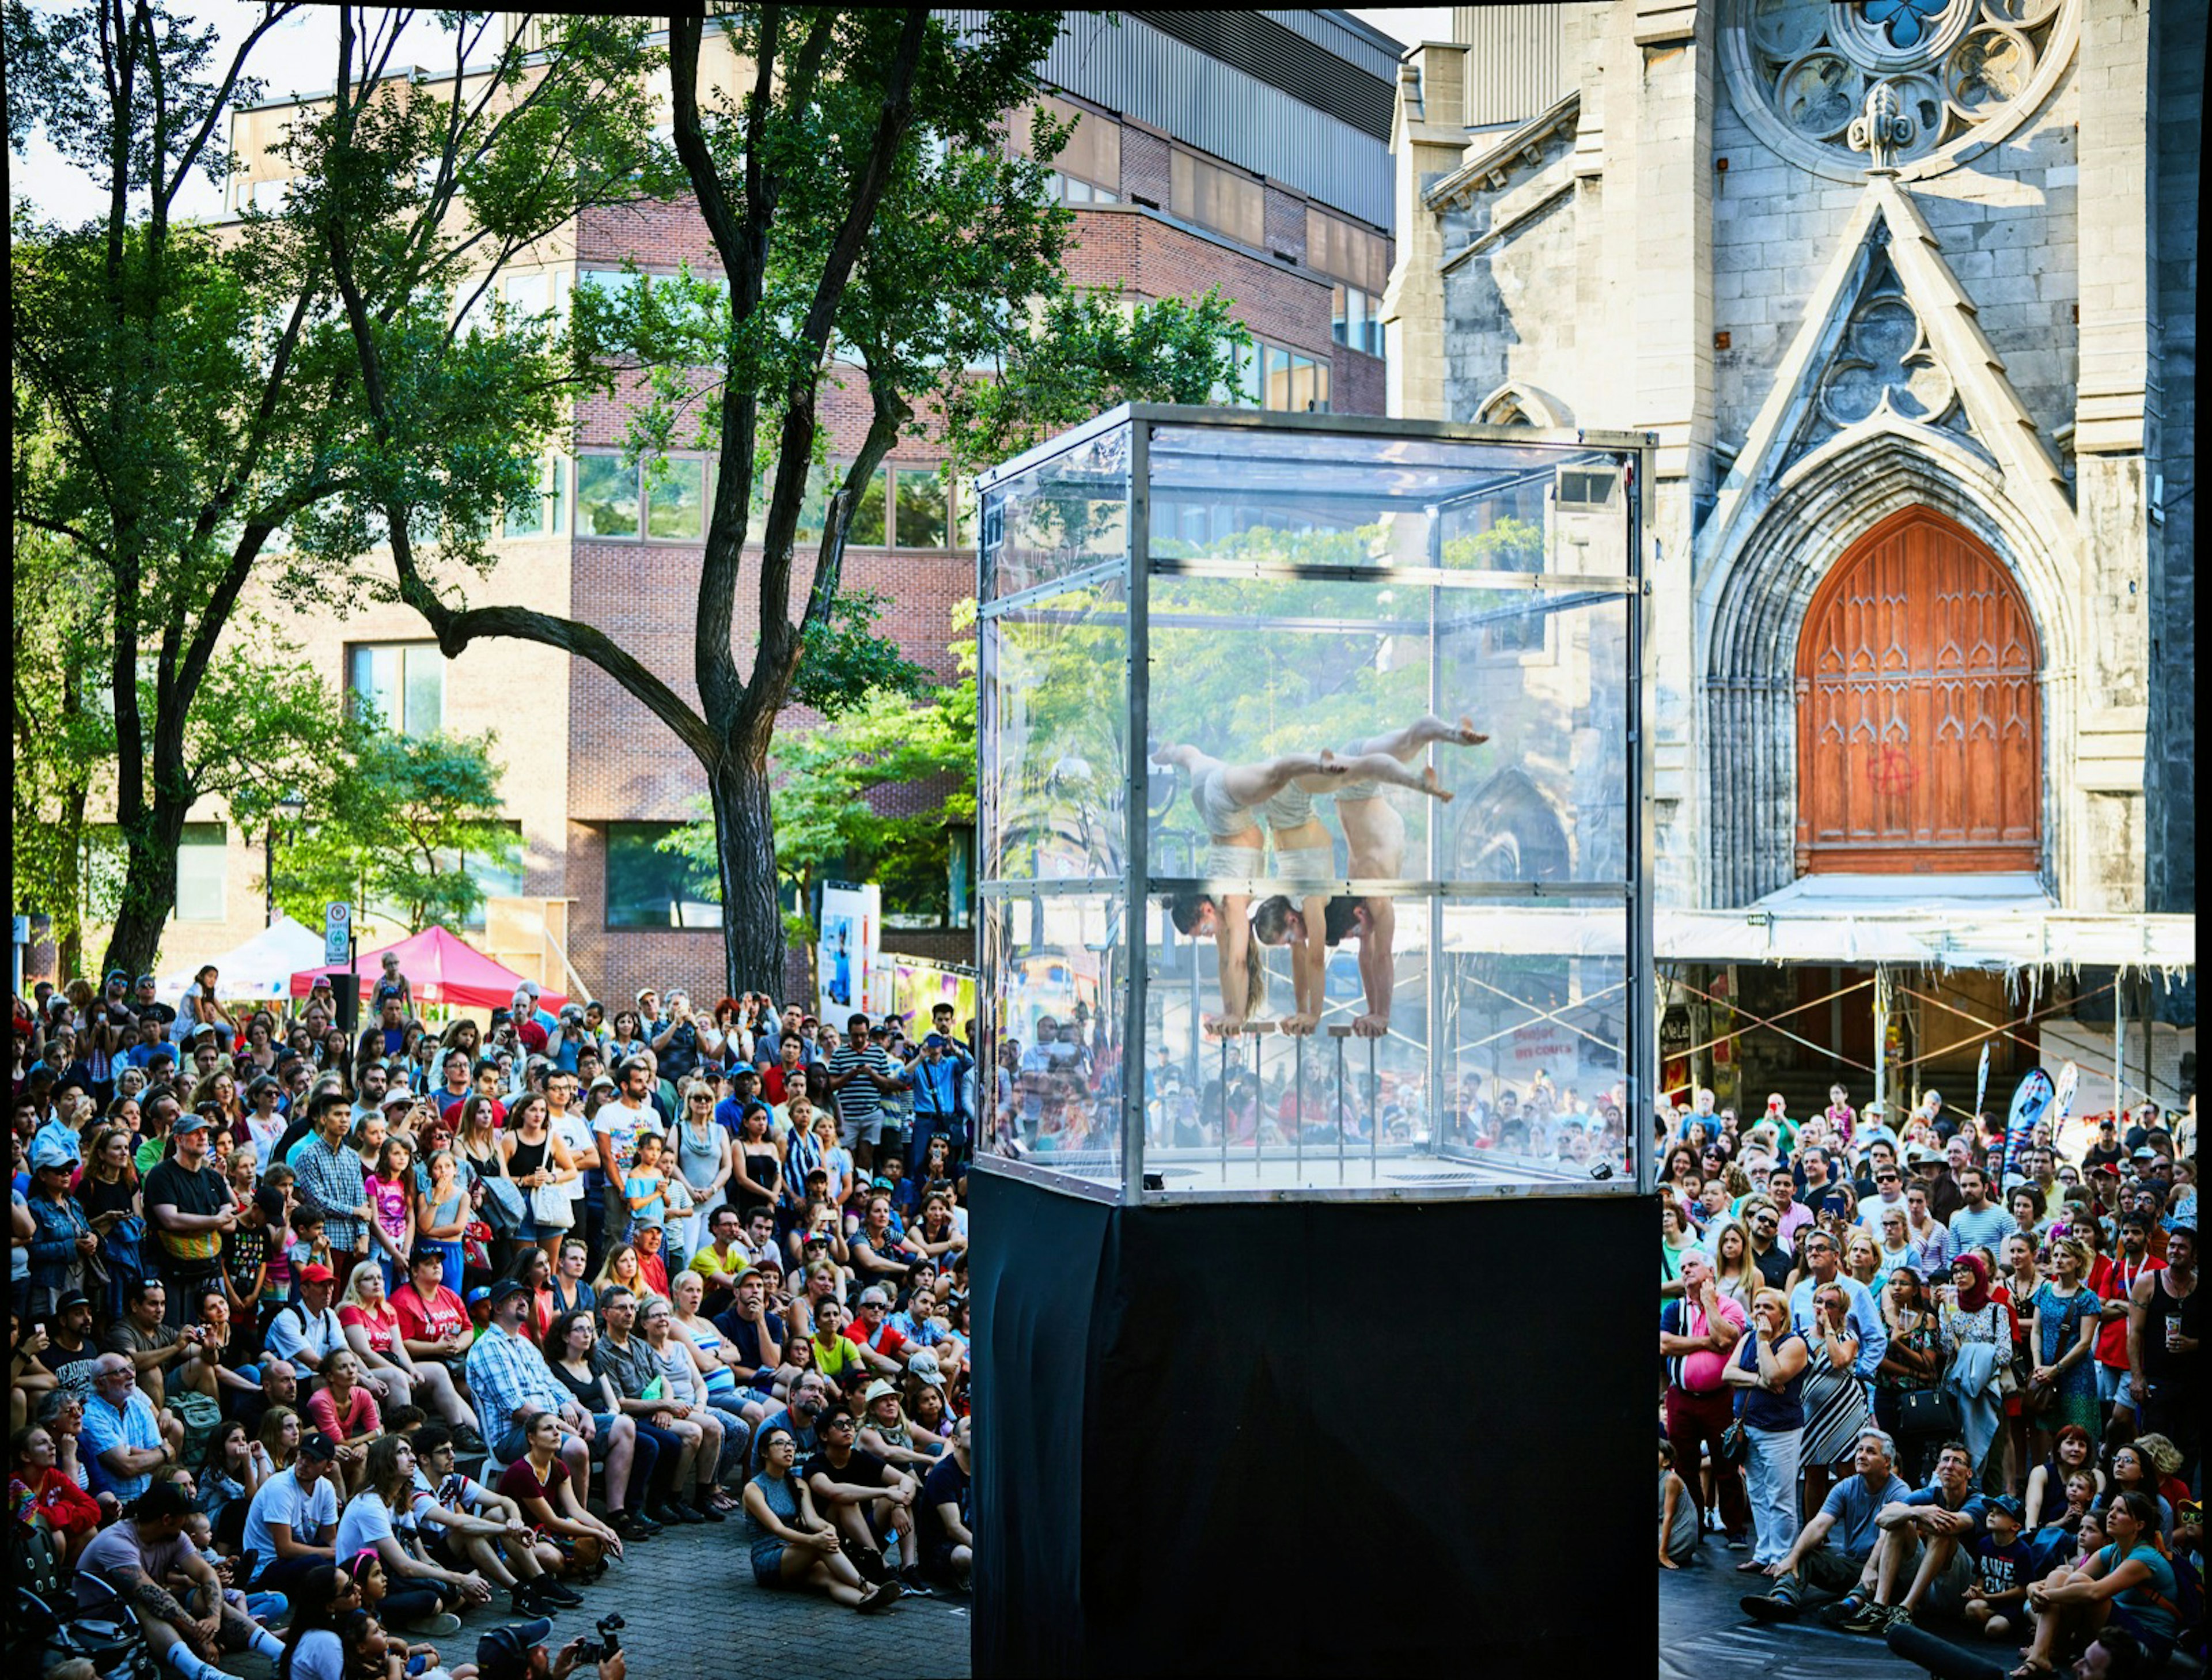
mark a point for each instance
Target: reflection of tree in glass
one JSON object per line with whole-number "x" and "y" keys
{"x": 1058, "y": 706}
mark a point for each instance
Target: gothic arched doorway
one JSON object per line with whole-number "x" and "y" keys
{"x": 1919, "y": 726}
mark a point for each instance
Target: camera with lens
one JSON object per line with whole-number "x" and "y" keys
{"x": 609, "y": 1641}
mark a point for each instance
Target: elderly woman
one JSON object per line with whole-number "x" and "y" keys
{"x": 1770, "y": 1367}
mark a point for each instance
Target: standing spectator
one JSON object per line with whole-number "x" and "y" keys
{"x": 2061, "y": 1337}
{"x": 2166, "y": 1328}
{"x": 393, "y": 986}
{"x": 62, "y": 1242}
{"x": 860, "y": 1076}
{"x": 1978, "y": 1338}
{"x": 191, "y": 1210}
{"x": 1770, "y": 1367}
{"x": 331, "y": 1176}
{"x": 1912, "y": 1363}
{"x": 1978, "y": 1223}
{"x": 1697, "y": 1333}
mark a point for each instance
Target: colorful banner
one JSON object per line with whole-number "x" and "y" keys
{"x": 845, "y": 960}
{"x": 1982, "y": 1085}
{"x": 2030, "y": 1103}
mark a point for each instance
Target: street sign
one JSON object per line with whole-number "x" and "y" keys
{"x": 338, "y": 933}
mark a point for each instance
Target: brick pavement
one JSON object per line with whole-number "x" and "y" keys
{"x": 694, "y": 1613}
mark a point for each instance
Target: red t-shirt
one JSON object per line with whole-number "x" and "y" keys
{"x": 360, "y": 1418}
{"x": 652, "y": 1272}
{"x": 381, "y": 1328}
{"x": 520, "y": 1482}
{"x": 887, "y": 1341}
{"x": 2116, "y": 1277}
{"x": 531, "y": 1035}
{"x": 421, "y": 1321}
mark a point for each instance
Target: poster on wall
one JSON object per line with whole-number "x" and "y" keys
{"x": 914, "y": 986}
{"x": 845, "y": 960}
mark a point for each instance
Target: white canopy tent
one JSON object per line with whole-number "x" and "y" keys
{"x": 262, "y": 967}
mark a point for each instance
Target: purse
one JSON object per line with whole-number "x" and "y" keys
{"x": 551, "y": 1207}
{"x": 1927, "y": 1411}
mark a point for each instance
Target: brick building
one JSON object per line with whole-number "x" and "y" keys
{"x": 1907, "y": 295}
{"x": 1248, "y": 151}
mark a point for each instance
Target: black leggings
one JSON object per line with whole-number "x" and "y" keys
{"x": 414, "y": 1603}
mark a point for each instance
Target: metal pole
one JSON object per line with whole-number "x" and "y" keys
{"x": 1642, "y": 1004}
{"x": 1136, "y": 885}
{"x": 1259, "y": 1093}
{"x": 1434, "y": 1097}
{"x": 1374, "y": 1116}
{"x": 1298, "y": 1126}
{"x": 2119, "y": 1053}
{"x": 1339, "y": 1033}
{"x": 1224, "y": 1108}
{"x": 1881, "y": 1037}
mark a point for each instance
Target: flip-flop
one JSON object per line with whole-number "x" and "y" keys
{"x": 1747, "y": 1567}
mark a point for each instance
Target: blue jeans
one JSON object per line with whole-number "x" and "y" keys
{"x": 1770, "y": 1469}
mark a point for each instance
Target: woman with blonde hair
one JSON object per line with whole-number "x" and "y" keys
{"x": 1769, "y": 1365}
{"x": 1734, "y": 1270}
{"x": 1862, "y": 1259}
{"x": 619, "y": 1269}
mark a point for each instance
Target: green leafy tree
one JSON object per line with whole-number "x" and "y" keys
{"x": 391, "y": 827}
{"x": 199, "y": 386}
{"x": 870, "y": 227}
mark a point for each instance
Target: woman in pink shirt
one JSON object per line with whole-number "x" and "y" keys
{"x": 346, "y": 1410}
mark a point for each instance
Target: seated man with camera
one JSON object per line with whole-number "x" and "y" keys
{"x": 517, "y": 1652}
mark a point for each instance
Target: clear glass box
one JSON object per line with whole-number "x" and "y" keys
{"x": 1225, "y": 656}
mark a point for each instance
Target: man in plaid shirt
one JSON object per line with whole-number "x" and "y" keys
{"x": 329, "y": 1175}
{"x": 509, "y": 1378}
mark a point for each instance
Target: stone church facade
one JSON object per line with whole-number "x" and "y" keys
{"x": 1907, "y": 291}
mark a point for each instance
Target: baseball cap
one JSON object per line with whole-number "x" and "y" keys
{"x": 317, "y": 1444}
{"x": 479, "y": 1293}
{"x": 68, "y": 1299}
{"x": 317, "y": 1273}
{"x": 505, "y": 1287}
{"x": 51, "y": 1152}
{"x": 529, "y": 986}
{"x": 504, "y": 1650}
{"x": 191, "y": 1122}
{"x": 2011, "y": 1507}
{"x": 924, "y": 1366}
{"x": 2145, "y": 1154}
{"x": 935, "y": 1041}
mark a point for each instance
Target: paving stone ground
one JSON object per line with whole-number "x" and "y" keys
{"x": 694, "y": 1613}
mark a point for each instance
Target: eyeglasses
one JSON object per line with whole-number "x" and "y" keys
{"x": 837, "y": 1423}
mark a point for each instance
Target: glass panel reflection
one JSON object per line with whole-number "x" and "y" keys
{"x": 1066, "y": 514}
{"x": 1054, "y": 720}
{"x": 1054, "y": 997}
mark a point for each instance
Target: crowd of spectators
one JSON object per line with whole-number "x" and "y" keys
{"x": 363, "y": 1333}
{"x": 1928, "y": 1372}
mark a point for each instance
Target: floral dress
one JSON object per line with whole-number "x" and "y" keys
{"x": 2077, "y": 1399}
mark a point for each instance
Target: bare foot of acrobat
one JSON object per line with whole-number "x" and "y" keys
{"x": 1463, "y": 734}
{"x": 1331, "y": 764}
{"x": 1432, "y": 787}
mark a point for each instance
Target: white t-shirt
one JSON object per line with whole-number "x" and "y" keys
{"x": 623, "y": 1123}
{"x": 575, "y": 1135}
{"x": 319, "y": 1656}
{"x": 281, "y": 1499}
{"x": 295, "y": 1328}
{"x": 368, "y": 1519}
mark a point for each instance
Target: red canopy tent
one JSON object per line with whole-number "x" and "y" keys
{"x": 440, "y": 969}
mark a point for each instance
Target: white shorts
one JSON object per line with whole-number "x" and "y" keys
{"x": 1232, "y": 863}
{"x": 1306, "y": 863}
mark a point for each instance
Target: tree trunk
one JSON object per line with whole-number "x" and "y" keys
{"x": 149, "y": 884}
{"x": 69, "y": 890}
{"x": 752, "y": 920}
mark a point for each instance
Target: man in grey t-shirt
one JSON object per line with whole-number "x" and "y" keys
{"x": 1831, "y": 1553}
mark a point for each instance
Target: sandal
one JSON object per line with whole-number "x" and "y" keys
{"x": 1747, "y": 1567}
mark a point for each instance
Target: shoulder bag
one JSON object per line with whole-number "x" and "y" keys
{"x": 551, "y": 1207}
{"x": 503, "y": 1206}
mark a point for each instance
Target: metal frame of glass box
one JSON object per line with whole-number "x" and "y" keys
{"x": 1108, "y": 576}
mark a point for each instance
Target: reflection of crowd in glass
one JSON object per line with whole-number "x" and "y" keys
{"x": 1915, "y": 1375}
{"x": 374, "y": 1331}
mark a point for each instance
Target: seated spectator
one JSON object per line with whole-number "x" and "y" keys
{"x": 345, "y": 1411}
{"x": 467, "y": 1527}
{"x": 943, "y": 1543}
{"x": 1923, "y": 1553}
{"x": 135, "y": 1558}
{"x": 886, "y": 1432}
{"x": 306, "y": 1332}
{"x": 141, "y": 1336}
{"x": 377, "y": 1335}
{"x": 791, "y": 1545}
{"x": 867, "y": 1500}
{"x": 380, "y": 1520}
{"x": 637, "y": 1378}
{"x": 370, "y": 1652}
{"x": 40, "y": 1488}
{"x": 1830, "y": 1555}
{"x": 2001, "y": 1565}
{"x": 1679, "y": 1521}
{"x": 231, "y": 1473}
{"x": 2128, "y": 1587}
{"x": 723, "y": 1434}
{"x": 631, "y": 1459}
{"x": 124, "y": 1439}
{"x": 539, "y": 1482}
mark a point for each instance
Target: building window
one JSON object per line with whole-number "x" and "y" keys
{"x": 920, "y": 521}
{"x": 545, "y": 514}
{"x": 647, "y": 887}
{"x": 402, "y": 682}
{"x": 606, "y": 494}
{"x": 202, "y": 862}
{"x": 1228, "y": 201}
{"x": 1291, "y": 381}
{"x": 1088, "y": 170}
{"x": 1347, "y": 251}
{"x": 496, "y": 877}
{"x": 1356, "y": 319}
{"x": 676, "y": 501}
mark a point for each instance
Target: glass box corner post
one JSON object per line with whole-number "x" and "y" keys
{"x": 1137, "y": 805}
{"x": 1643, "y": 998}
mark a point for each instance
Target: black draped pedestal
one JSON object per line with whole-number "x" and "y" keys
{"x": 1313, "y": 1437}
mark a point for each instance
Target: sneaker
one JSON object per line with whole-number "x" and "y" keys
{"x": 1865, "y": 1618}
{"x": 1900, "y": 1615}
{"x": 1739, "y": 1542}
{"x": 914, "y": 1588}
{"x": 707, "y": 1514}
{"x": 669, "y": 1514}
{"x": 549, "y": 1591}
{"x": 1835, "y": 1615}
{"x": 631, "y": 1526}
{"x": 1779, "y": 1605}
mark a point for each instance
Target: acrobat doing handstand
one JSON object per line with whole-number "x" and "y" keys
{"x": 1281, "y": 791}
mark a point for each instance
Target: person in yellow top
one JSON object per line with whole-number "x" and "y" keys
{"x": 725, "y": 1259}
{"x": 836, "y": 1355}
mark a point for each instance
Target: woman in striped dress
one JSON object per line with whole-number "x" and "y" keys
{"x": 1835, "y": 1401}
